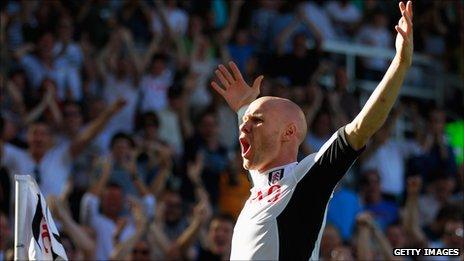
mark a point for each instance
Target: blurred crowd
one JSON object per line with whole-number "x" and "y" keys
{"x": 108, "y": 105}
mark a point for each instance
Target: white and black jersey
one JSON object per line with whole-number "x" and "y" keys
{"x": 285, "y": 214}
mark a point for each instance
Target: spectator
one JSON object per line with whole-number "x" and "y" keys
{"x": 125, "y": 166}
{"x": 383, "y": 211}
{"x": 82, "y": 245}
{"x": 376, "y": 34}
{"x": 439, "y": 194}
{"x": 438, "y": 157}
{"x": 110, "y": 198}
{"x": 65, "y": 47}
{"x": 330, "y": 241}
{"x": 392, "y": 172}
{"x": 173, "y": 122}
{"x": 369, "y": 235}
{"x": 411, "y": 227}
{"x": 234, "y": 182}
{"x": 261, "y": 23}
{"x": 154, "y": 85}
{"x": 300, "y": 64}
{"x": 120, "y": 74}
{"x": 320, "y": 131}
{"x": 51, "y": 163}
{"x": 348, "y": 101}
{"x": 205, "y": 142}
{"x": 317, "y": 14}
{"x": 345, "y": 17}
{"x": 175, "y": 17}
{"x": 219, "y": 239}
{"x": 43, "y": 65}
{"x": 343, "y": 209}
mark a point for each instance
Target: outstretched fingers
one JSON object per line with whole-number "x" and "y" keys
{"x": 218, "y": 88}
{"x": 226, "y": 74}
{"x": 407, "y": 18}
{"x": 409, "y": 9}
{"x": 223, "y": 79}
{"x": 402, "y": 6}
{"x": 236, "y": 71}
{"x": 403, "y": 33}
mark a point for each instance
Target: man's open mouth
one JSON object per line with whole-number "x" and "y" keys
{"x": 246, "y": 147}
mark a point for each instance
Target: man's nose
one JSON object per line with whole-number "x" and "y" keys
{"x": 245, "y": 127}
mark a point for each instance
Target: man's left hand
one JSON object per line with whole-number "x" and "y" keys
{"x": 404, "y": 39}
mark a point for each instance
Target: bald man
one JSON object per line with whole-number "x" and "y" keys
{"x": 285, "y": 214}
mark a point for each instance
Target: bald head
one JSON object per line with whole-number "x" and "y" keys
{"x": 286, "y": 112}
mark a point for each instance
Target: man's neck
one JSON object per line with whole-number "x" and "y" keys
{"x": 286, "y": 158}
{"x": 37, "y": 155}
{"x": 276, "y": 164}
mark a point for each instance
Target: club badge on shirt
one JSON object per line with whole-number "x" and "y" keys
{"x": 275, "y": 175}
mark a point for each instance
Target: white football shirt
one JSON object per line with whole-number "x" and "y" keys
{"x": 285, "y": 214}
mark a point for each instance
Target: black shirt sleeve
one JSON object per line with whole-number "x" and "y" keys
{"x": 334, "y": 158}
{"x": 317, "y": 175}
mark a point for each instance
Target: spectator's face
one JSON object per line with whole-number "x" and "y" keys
{"x": 396, "y": 236}
{"x": 112, "y": 202}
{"x": 208, "y": 126}
{"x": 242, "y": 37}
{"x": 444, "y": 188}
{"x": 220, "y": 235}
{"x": 380, "y": 20}
{"x": 19, "y": 80}
{"x": 122, "y": 67}
{"x": 10, "y": 130}
{"x": 141, "y": 252}
{"x": 121, "y": 150}
{"x": 454, "y": 234}
{"x": 371, "y": 189}
{"x": 173, "y": 207}
{"x": 196, "y": 25}
{"x": 299, "y": 43}
{"x": 341, "y": 79}
{"x": 39, "y": 137}
{"x": 158, "y": 67}
{"x": 151, "y": 131}
{"x": 322, "y": 125}
{"x": 176, "y": 103}
{"x": 330, "y": 240}
{"x": 73, "y": 118}
{"x": 45, "y": 46}
{"x": 65, "y": 29}
{"x": 437, "y": 121}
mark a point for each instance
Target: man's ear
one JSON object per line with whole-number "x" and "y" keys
{"x": 289, "y": 132}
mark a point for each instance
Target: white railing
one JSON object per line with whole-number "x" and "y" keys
{"x": 424, "y": 66}
{"x": 353, "y": 50}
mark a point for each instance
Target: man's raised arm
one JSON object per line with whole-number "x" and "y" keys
{"x": 375, "y": 112}
{"x": 234, "y": 89}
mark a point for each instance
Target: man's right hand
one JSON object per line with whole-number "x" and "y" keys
{"x": 234, "y": 89}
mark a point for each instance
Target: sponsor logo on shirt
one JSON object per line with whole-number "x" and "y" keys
{"x": 275, "y": 175}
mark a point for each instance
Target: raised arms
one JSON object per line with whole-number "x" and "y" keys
{"x": 377, "y": 108}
